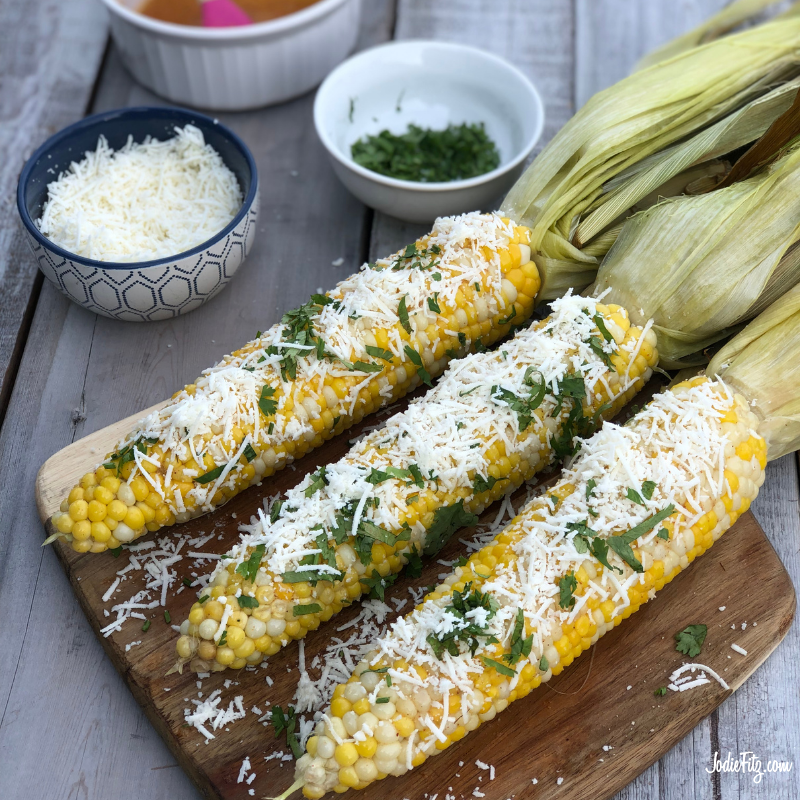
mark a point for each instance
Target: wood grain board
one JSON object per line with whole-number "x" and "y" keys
{"x": 558, "y": 732}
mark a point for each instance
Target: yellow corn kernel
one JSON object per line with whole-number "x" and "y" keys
{"x": 346, "y": 754}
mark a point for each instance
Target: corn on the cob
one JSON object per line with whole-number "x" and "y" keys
{"x": 493, "y": 421}
{"x": 325, "y": 366}
{"x": 637, "y": 506}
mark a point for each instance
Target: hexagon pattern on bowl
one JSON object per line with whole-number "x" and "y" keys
{"x": 142, "y": 294}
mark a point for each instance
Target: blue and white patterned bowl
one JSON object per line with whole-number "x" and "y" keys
{"x": 145, "y": 290}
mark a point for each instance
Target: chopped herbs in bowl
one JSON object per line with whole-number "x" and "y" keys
{"x": 420, "y": 130}
{"x": 429, "y": 156}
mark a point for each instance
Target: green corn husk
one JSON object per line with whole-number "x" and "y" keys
{"x": 762, "y": 363}
{"x": 722, "y": 23}
{"x": 651, "y": 135}
{"x": 712, "y": 261}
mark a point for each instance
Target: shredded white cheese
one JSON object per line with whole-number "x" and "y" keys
{"x": 143, "y": 202}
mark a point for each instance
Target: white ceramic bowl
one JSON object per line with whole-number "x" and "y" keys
{"x": 230, "y": 69}
{"x": 430, "y": 84}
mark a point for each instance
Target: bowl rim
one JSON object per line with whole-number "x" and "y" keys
{"x": 288, "y": 22}
{"x": 439, "y": 186}
{"x": 87, "y": 122}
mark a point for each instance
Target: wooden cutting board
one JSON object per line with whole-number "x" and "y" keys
{"x": 606, "y": 699}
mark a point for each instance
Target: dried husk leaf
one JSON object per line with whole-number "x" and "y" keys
{"x": 733, "y": 15}
{"x": 637, "y": 122}
{"x": 701, "y": 266}
{"x": 734, "y": 131}
{"x": 762, "y": 363}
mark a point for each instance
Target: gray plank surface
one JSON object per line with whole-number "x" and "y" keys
{"x": 50, "y": 52}
{"x": 79, "y": 373}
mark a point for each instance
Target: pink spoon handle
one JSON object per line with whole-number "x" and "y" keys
{"x": 223, "y": 14}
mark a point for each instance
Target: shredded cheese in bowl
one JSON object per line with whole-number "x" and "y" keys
{"x": 143, "y": 202}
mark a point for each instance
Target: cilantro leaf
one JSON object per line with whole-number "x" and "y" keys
{"x": 601, "y": 326}
{"x": 366, "y": 366}
{"x": 265, "y": 403}
{"x": 481, "y": 484}
{"x": 245, "y": 601}
{"x": 311, "y": 608}
{"x": 634, "y": 496}
{"x": 596, "y": 346}
{"x": 544, "y": 664}
{"x": 416, "y": 360}
{"x": 690, "y": 640}
{"x": 496, "y": 665}
{"x": 413, "y": 563}
{"x": 286, "y": 723}
{"x": 377, "y": 585}
{"x": 318, "y": 481}
{"x": 249, "y": 569}
{"x": 379, "y": 352}
{"x": 211, "y": 475}
{"x": 446, "y": 521}
{"x": 648, "y": 487}
{"x": 566, "y": 586}
{"x": 402, "y": 313}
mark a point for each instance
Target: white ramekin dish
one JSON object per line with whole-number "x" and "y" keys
{"x": 430, "y": 84}
{"x": 230, "y": 69}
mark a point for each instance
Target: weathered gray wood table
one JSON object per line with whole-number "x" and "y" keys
{"x": 68, "y": 726}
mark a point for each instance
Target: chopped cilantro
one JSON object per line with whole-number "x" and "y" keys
{"x": 481, "y": 484}
{"x": 468, "y": 632}
{"x": 379, "y": 352}
{"x": 690, "y": 640}
{"x": 413, "y": 563}
{"x": 286, "y": 723}
{"x": 566, "y": 586}
{"x": 446, "y": 521}
{"x": 267, "y": 405}
{"x": 416, "y": 359}
{"x": 596, "y": 346}
{"x": 311, "y": 608}
{"x": 634, "y": 496}
{"x": 318, "y": 481}
{"x": 249, "y": 569}
{"x": 601, "y": 326}
{"x": 245, "y": 601}
{"x": 621, "y": 545}
{"x": 402, "y": 313}
{"x": 429, "y": 155}
{"x": 520, "y": 645}
{"x": 377, "y": 585}
{"x": 501, "y": 668}
{"x": 211, "y": 475}
{"x": 544, "y": 664}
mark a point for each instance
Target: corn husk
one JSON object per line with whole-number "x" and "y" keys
{"x": 722, "y": 23}
{"x": 650, "y": 136}
{"x": 701, "y": 266}
{"x": 762, "y": 363}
